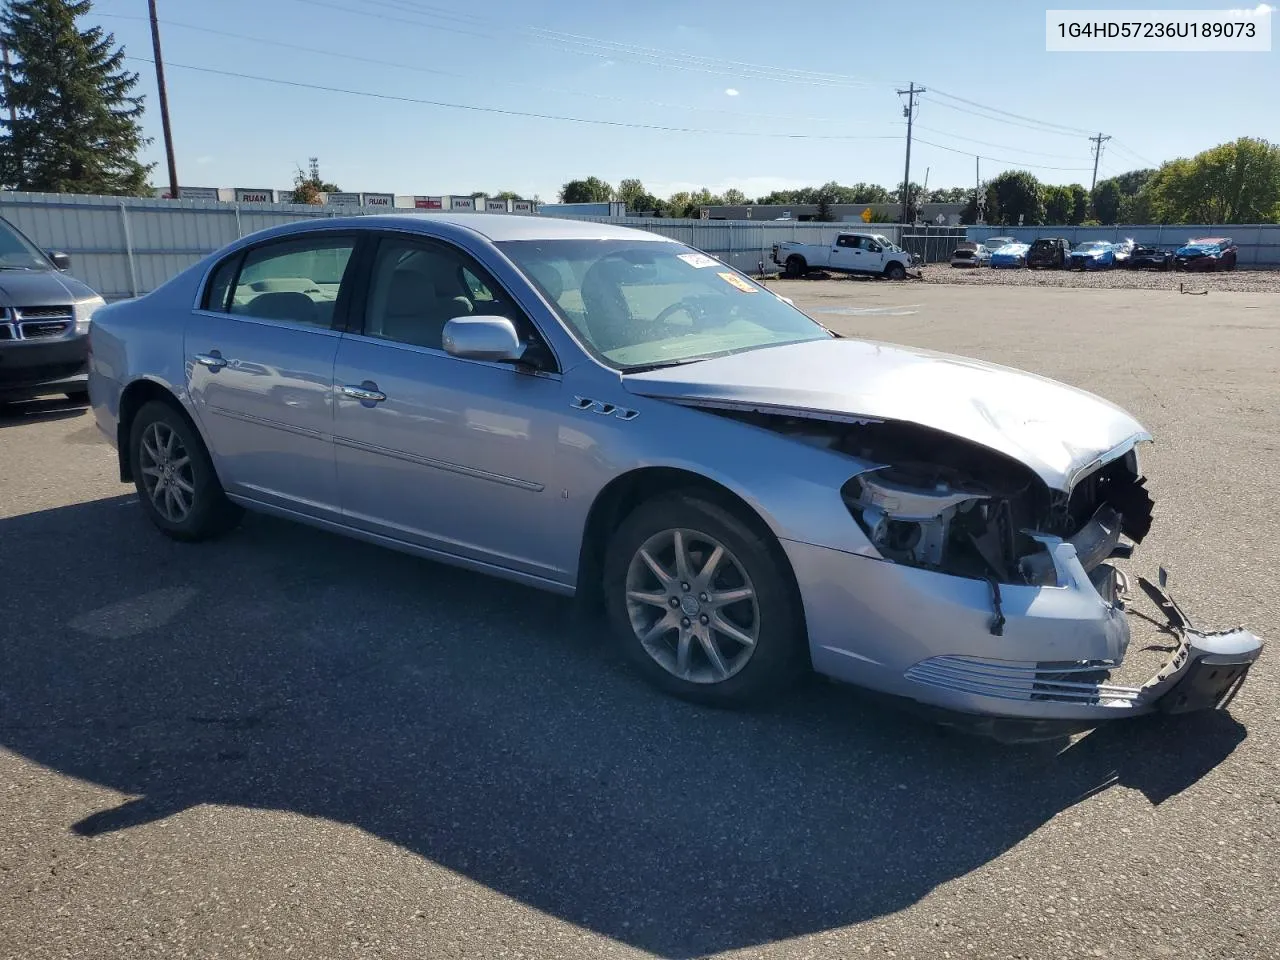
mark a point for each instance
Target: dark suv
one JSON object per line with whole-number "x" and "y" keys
{"x": 1049, "y": 252}
{"x": 44, "y": 321}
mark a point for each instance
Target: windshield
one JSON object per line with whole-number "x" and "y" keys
{"x": 641, "y": 303}
{"x": 995, "y": 243}
{"x": 1089, "y": 246}
{"x": 17, "y": 252}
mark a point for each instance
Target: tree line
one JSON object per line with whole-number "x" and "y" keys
{"x": 1237, "y": 182}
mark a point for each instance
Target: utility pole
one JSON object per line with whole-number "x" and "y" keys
{"x": 1097, "y": 141}
{"x": 909, "y": 111}
{"x": 164, "y": 102}
{"x": 977, "y": 190}
{"x": 13, "y": 111}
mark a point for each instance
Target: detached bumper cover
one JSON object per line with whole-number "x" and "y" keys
{"x": 930, "y": 637}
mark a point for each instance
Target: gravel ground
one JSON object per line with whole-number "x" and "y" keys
{"x": 1240, "y": 281}
{"x": 284, "y": 743}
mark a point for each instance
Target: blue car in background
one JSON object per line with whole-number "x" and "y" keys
{"x": 1013, "y": 254}
{"x": 1093, "y": 255}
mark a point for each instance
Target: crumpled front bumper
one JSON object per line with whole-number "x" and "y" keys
{"x": 1020, "y": 652}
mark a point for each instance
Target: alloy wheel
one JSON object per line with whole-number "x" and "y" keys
{"x": 692, "y": 606}
{"x": 168, "y": 476}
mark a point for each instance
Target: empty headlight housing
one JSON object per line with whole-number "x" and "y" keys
{"x": 83, "y": 311}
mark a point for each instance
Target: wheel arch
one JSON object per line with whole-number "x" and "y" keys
{"x": 618, "y": 498}
{"x": 132, "y": 399}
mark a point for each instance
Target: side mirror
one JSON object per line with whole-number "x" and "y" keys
{"x": 59, "y": 259}
{"x": 483, "y": 338}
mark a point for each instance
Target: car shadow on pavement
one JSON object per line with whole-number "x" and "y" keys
{"x": 487, "y": 728}
{"x": 17, "y": 412}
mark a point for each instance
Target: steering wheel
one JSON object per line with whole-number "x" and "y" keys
{"x": 693, "y": 306}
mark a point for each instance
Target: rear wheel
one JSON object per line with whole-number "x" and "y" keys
{"x": 702, "y": 604}
{"x": 895, "y": 271}
{"x": 175, "y": 478}
{"x": 796, "y": 267}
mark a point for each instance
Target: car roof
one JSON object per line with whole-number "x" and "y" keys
{"x": 496, "y": 227}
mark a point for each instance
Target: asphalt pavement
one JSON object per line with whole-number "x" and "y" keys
{"x": 289, "y": 743}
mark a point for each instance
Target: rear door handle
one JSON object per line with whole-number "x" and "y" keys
{"x": 367, "y": 392}
{"x": 213, "y": 361}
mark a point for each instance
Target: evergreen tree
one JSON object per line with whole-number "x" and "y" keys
{"x": 77, "y": 128}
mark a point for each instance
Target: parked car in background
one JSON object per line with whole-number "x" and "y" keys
{"x": 1145, "y": 257}
{"x": 1122, "y": 250}
{"x": 44, "y": 321}
{"x": 1049, "y": 252}
{"x": 1207, "y": 253}
{"x": 1012, "y": 254}
{"x": 585, "y": 408}
{"x": 1093, "y": 255}
{"x": 970, "y": 254}
{"x": 865, "y": 253}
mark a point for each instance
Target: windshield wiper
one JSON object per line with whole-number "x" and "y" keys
{"x": 659, "y": 364}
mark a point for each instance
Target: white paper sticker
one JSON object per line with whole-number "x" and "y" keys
{"x": 699, "y": 260}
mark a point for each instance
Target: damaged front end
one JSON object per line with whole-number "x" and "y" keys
{"x": 945, "y": 505}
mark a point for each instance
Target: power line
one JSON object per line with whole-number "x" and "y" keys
{"x": 516, "y": 113}
{"x": 995, "y": 119}
{"x": 1012, "y": 163}
{"x": 1015, "y": 116}
{"x": 987, "y": 143}
{"x": 1133, "y": 153}
{"x": 418, "y": 68}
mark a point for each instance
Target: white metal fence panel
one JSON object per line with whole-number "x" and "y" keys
{"x": 126, "y": 246}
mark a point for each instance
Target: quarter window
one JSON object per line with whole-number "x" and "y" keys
{"x": 296, "y": 281}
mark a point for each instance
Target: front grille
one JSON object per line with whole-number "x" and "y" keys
{"x": 1071, "y": 682}
{"x": 43, "y": 313}
{"x": 36, "y": 323}
{"x": 44, "y": 328}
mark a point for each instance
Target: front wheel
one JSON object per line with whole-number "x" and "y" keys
{"x": 895, "y": 271}
{"x": 175, "y": 478}
{"x": 702, "y": 604}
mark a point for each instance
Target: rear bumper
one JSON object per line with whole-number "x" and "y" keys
{"x": 935, "y": 639}
{"x": 32, "y": 368}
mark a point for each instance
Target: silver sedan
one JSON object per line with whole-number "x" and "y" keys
{"x": 602, "y": 411}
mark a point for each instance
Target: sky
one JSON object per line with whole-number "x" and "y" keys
{"x": 685, "y": 93}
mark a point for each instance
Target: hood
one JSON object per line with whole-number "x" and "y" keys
{"x": 1012, "y": 249}
{"x": 1057, "y": 431}
{"x": 1100, "y": 252}
{"x": 40, "y": 288}
{"x": 1197, "y": 250}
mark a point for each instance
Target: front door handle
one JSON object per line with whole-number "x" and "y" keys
{"x": 366, "y": 392}
{"x": 213, "y": 361}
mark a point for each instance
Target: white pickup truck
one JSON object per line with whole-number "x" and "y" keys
{"x": 868, "y": 253}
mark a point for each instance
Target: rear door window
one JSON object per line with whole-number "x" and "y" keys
{"x": 295, "y": 281}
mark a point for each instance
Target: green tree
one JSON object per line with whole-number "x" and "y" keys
{"x": 1017, "y": 193}
{"x": 825, "y": 214}
{"x": 1106, "y": 201}
{"x": 77, "y": 126}
{"x": 734, "y": 197}
{"x": 1057, "y": 204}
{"x": 1079, "y": 203}
{"x": 505, "y": 195}
{"x": 590, "y": 190}
{"x": 1236, "y": 182}
{"x": 630, "y": 191}
{"x": 307, "y": 188}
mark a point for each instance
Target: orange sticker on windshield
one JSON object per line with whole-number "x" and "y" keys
{"x": 736, "y": 281}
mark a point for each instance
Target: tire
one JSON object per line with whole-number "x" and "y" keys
{"x": 895, "y": 271}
{"x": 78, "y": 396}
{"x": 796, "y": 267}
{"x": 191, "y": 480}
{"x": 771, "y": 615}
